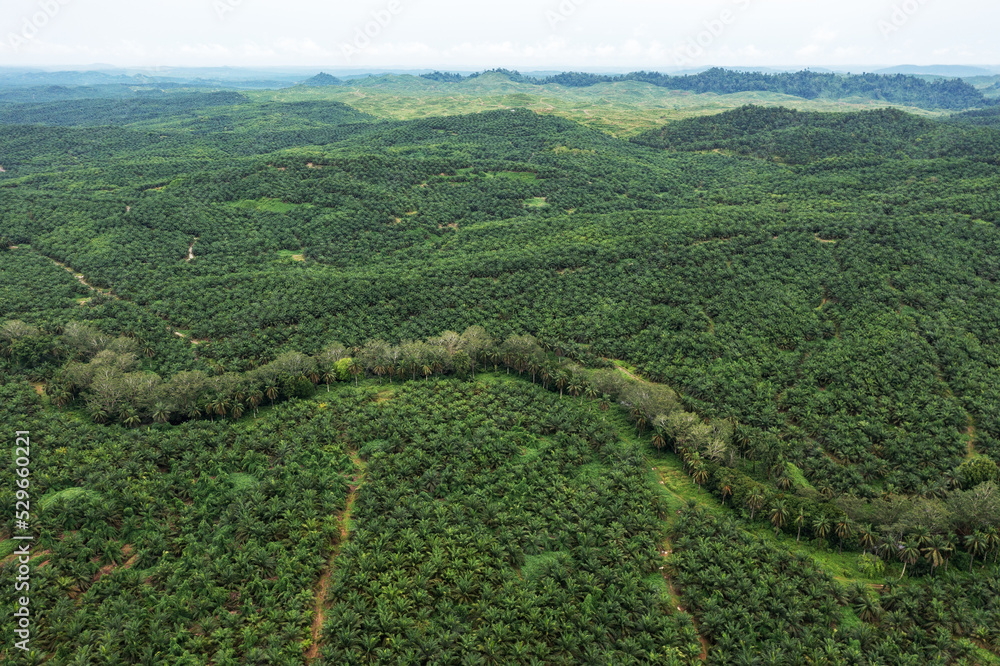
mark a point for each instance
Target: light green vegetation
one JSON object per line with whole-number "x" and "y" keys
{"x": 623, "y": 108}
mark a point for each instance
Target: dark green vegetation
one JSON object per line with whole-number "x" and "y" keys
{"x": 495, "y": 520}
{"x": 813, "y": 294}
{"x": 498, "y": 525}
{"x": 740, "y": 586}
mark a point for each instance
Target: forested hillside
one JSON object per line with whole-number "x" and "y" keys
{"x": 897, "y": 88}
{"x": 307, "y": 385}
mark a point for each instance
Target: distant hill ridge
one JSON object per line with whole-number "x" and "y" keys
{"x": 953, "y": 94}
{"x": 322, "y": 79}
{"x": 797, "y": 137}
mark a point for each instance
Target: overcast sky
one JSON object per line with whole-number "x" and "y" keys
{"x": 521, "y": 34}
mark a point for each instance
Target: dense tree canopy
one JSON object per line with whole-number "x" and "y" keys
{"x": 405, "y": 347}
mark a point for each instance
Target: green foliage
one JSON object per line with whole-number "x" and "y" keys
{"x": 870, "y": 565}
{"x": 342, "y": 368}
{"x": 898, "y": 88}
{"x": 751, "y": 598}
{"x": 68, "y": 495}
{"x": 977, "y": 470}
{"x": 812, "y": 295}
{"x": 465, "y": 545}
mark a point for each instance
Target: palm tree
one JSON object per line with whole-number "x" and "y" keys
{"x": 844, "y": 529}
{"x": 993, "y": 541}
{"x": 755, "y": 501}
{"x": 727, "y": 491}
{"x": 131, "y": 418}
{"x": 821, "y": 527}
{"x": 922, "y": 535}
{"x": 867, "y": 608}
{"x": 211, "y": 406}
{"x": 909, "y": 553}
{"x": 799, "y": 522}
{"x": 886, "y": 548}
{"x": 533, "y": 368}
{"x": 62, "y": 396}
{"x": 330, "y": 374}
{"x": 605, "y": 403}
{"x": 976, "y": 543}
{"x": 948, "y": 547}
{"x": 700, "y": 474}
{"x": 866, "y": 537}
{"x": 255, "y": 399}
{"x": 779, "y": 513}
{"x": 933, "y": 552}
{"x": 575, "y": 388}
{"x": 562, "y": 379}
{"x": 271, "y": 391}
{"x": 659, "y": 441}
{"x": 640, "y": 418}
{"x": 160, "y": 413}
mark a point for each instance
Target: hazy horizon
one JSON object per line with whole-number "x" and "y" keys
{"x": 340, "y": 69}
{"x": 445, "y": 34}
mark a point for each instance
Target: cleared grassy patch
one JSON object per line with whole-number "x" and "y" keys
{"x": 243, "y": 481}
{"x": 798, "y": 477}
{"x": 534, "y": 565}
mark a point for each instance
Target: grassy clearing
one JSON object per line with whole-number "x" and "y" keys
{"x": 243, "y": 482}
{"x": 290, "y": 255}
{"x": 534, "y": 565}
{"x": 842, "y": 566}
{"x": 798, "y": 477}
{"x": 677, "y": 488}
{"x": 68, "y": 494}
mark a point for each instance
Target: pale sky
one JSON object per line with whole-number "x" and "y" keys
{"x": 517, "y": 34}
